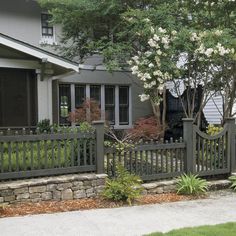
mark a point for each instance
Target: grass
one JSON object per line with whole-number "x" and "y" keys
{"x": 228, "y": 229}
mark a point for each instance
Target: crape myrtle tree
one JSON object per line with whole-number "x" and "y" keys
{"x": 188, "y": 41}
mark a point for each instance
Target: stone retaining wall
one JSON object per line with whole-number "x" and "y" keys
{"x": 169, "y": 186}
{"x": 66, "y": 187}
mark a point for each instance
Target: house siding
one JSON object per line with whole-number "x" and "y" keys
{"x": 139, "y": 109}
{"x": 213, "y": 110}
{"x": 21, "y": 19}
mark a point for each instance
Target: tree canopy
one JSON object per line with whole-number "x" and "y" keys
{"x": 153, "y": 35}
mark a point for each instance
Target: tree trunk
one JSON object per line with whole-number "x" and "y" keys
{"x": 160, "y": 116}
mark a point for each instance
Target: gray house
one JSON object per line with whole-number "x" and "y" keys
{"x": 36, "y": 83}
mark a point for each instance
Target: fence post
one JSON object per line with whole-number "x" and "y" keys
{"x": 99, "y": 126}
{"x": 189, "y": 166}
{"x": 231, "y": 134}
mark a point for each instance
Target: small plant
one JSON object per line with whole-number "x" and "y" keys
{"x": 191, "y": 185}
{"x": 213, "y": 130}
{"x": 44, "y": 126}
{"x": 233, "y": 181}
{"x": 85, "y": 127}
{"x": 125, "y": 187}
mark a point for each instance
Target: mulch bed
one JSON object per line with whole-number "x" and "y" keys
{"x": 22, "y": 209}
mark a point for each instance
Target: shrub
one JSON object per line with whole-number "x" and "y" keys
{"x": 85, "y": 127}
{"x": 124, "y": 187}
{"x": 146, "y": 129}
{"x": 44, "y": 126}
{"x": 233, "y": 181}
{"x": 213, "y": 130}
{"x": 191, "y": 185}
{"x": 89, "y": 111}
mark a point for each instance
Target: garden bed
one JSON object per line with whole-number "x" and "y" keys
{"x": 22, "y": 209}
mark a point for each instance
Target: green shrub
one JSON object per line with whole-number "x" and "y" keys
{"x": 213, "y": 130}
{"x": 233, "y": 181}
{"x": 191, "y": 185}
{"x": 85, "y": 127}
{"x": 44, "y": 126}
{"x": 124, "y": 187}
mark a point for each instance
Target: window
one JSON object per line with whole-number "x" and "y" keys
{"x": 123, "y": 105}
{"x": 95, "y": 93}
{"x": 64, "y": 103}
{"x": 114, "y": 102}
{"x": 47, "y": 29}
{"x": 110, "y": 103}
{"x": 80, "y": 95}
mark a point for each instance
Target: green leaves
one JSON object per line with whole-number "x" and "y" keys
{"x": 191, "y": 185}
{"x": 233, "y": 180}
{"x": 125, "y": 187}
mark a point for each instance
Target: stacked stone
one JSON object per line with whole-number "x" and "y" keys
{"x": 66, "y": 187}
{"x": 158, "y": 187}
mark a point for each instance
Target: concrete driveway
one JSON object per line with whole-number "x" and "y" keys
{"x": 125, "y": 221}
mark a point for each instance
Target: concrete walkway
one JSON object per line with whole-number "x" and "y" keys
{"x": 125, "y": 221}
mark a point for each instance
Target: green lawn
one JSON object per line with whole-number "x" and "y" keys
{"x": 228, "y": 229}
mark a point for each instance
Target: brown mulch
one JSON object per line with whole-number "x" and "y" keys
{"x": 22, "y": 209}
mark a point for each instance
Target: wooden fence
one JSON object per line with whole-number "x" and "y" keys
{"x": 197, "y": 153}
{"x": 31, "y": 155}
{"x": 151, "y": 160}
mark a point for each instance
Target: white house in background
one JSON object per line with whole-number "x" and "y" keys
{"x": 36, "y": 83}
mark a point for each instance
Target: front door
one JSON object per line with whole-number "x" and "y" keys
{"x": 17, "y": 98}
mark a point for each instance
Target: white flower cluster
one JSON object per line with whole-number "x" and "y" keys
{"x": 147, "y": 65}
{"x": 144, "y": 97}
{"x": 209, "y": 52}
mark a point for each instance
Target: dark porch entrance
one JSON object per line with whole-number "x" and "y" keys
{"x": 18, "y": 98}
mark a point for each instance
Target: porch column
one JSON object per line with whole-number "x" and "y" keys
{"x": 44, "y": 87}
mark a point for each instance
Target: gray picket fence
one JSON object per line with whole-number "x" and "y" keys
{"x": 197, "y": 153}
{"x": 32, "y": 155}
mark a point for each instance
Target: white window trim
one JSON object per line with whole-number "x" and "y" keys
{"x": 47, "y": 40}
{"x": 117, "y": 110}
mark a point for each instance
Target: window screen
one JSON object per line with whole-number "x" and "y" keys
{"x": 110, "y": 103}
{"x": 64, "y": 103}
{"x": 124, "y": 105}
{"x": 80, "y": 95}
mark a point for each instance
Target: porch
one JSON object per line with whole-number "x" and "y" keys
{"x": 18, "y": 98}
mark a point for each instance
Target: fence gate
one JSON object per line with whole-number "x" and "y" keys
{"x": 214, "y": 155}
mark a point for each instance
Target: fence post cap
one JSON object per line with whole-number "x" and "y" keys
{"x": 97, "y": 122}
{"x": 188, "y": 119}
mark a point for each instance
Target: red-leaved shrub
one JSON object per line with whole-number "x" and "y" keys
{"x": 146, "y": 129}
{"x": 89, "y": 111}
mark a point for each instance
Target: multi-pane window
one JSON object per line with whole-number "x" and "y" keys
{"x": 123, "y": 105}
{"x": 113, "y": 100}
{"x": 95, "y": 93}
{"x": 110, "y": 103}
{"x": 80, "y": 95}
{"x": 64, "y": 103}
{"x": 47, "y": 28}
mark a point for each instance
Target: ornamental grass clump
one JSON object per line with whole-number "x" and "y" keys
{"x": 233, "y": 181}
{"x": 124, "y": 187}
{"x": 191, "y": 185}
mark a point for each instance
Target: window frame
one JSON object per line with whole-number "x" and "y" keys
{"x": 47, "y": 26}
{"x": 117, "y": 124}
